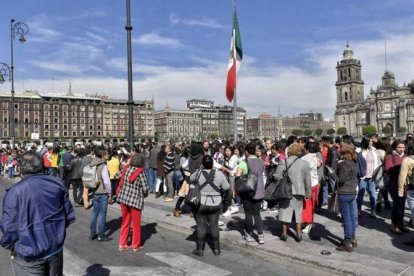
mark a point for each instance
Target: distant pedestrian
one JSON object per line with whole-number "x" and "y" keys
{"x": 33, "y": 230}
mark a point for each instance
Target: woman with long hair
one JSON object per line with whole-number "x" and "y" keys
{"x": 346, "y": 178}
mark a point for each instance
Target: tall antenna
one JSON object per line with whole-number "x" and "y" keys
{"x": 386, "y": 62}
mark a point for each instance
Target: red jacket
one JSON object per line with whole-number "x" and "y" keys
{"x": 392, "y": 164}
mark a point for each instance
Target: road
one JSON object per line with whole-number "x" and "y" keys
{"x": 166, "y": 252}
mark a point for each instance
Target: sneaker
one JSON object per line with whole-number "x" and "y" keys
{"x": 234, "y": 210}
{"x": 395, "y": 229}
{"x": 307, "y": 229}
{"x": 168, "y": 199}
{"x": 139, "y": 248}
{"x": 274, "y": 210}
{"x": 248, "y": 238}
{"x": 227, "y": 213}
{"x": 373, "y": 214}
{"x": 220, "y": 223}
{"x": 324, "y": 205}
{"x": 123, "y": 248}
{"x": 261, "y": 239}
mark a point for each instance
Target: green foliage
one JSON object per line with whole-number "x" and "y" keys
{"x": 386, "y": 130}
{"x": 330, "y": 131}
{"x": 307, "y": 132}
{"x": 297, "y": 132}
{"x": 369, "y": 130}
{"x": 318, "y": 131}
{"x": 341, "y": 131}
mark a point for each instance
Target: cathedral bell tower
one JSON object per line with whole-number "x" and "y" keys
{"x": 349, "y": 86}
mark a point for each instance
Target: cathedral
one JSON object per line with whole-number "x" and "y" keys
{"x": 388, "y": 107}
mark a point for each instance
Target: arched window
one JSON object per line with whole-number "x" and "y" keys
{"x": 346, "y": 96}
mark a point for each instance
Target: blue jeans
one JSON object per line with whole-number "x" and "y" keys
{"x": 100, "y": 206}
{"x": 152, "y": 179}
{"x": 52, "y": 266}
{"x": 410, "y": 201}
{"x": 11, "y": 172}
{"x": 347, "y": 206}
{"x": 367, "y": 185}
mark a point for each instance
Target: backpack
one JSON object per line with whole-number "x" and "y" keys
{"x": 90, "y": 177}
{"x": 193, "y": 197}
{"x": 246, "y": 183}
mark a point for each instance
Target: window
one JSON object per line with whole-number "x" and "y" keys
{"x": 26, "y": 121}
{"x": 55, "y": 107}
{"x": 65, "y": 134}
{"x": 74, "y": 126}
{"x": 46, "y": 126}
{"x": 82, "y": 108}
{"x": 56, "y": 126}
{"x": 16, "y": 106}
{"x": 74, "y": 133}
{"x": 56, "y": 120}
{"x": 46, "y": 107}
{"x": 65, "y": 126}
{"x": 5, "y": 105}
{"x": 46, "y": 133}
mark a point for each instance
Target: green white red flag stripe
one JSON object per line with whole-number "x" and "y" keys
{"x": 235, "y": 58}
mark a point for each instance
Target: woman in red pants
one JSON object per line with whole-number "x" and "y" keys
{"x": 132, "y": 190}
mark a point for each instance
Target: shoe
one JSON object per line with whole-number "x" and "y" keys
{"x": 104, "y": 239}
{"x": 177, "y": 213}
{"x": 234, "y": 210}
{"x": 298, "y": 237}
{"x": 410, "y": 242}
{"x": 324, "y": 206}
{"x": 248, "y": 238}
{"x": 137, "y": 249}
{"x": 395, "y": 229}
{"x": 261, "y": 239}
{"x": 274, "y": 210}
{"x": 216, "y": 248}
{"x": 123, "y": 248}
{"x": 346, "y": 246}
{"x": 199, "y": 251}
{"x": 283, "y": 237}
{"x": 354, "y": 243}
{"x": 88, "y": 206}
{"x": 220, "y": 223}
{"x": 307, "y": 229}
{"x": 373, "y": 214}
{"x": 227, "y": 213}
{"x": 77, "y": 205}
{"x": 157, "y": 194}
{"x": 93, "y": 236}
{"x": 191, "y": 215}
{"x": 388, "y": 205}
{"x": 169, "y": 199}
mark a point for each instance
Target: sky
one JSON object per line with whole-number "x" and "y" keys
{"x": 181, "y": 47}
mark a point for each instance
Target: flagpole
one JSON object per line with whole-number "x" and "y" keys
{"x": 235, "y": 89}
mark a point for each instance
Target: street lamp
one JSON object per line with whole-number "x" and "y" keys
{"x": 130, "y": 101}
{"x": 4, "y": 72}
{"x": 20, "y": 29}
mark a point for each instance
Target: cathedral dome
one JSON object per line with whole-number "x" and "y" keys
{"x": 348, "y": 53}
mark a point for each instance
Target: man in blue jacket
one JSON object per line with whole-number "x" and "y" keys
{"x": 36, "y": 213}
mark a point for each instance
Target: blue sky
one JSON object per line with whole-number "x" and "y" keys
{"x": 180, "y": 48}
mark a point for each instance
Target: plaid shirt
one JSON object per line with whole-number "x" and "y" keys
{"x": 370, "y": 163}
{"x": 133, "y": 193}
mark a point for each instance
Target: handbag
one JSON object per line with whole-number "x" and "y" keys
{"x": 283, "y": 186}
{"x": 333, "y": 203}
{"x": 379, "y": 177}
{"x": 246, "y": 183}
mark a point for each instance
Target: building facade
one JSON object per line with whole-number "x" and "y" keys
{"x": 268, "y": 126}
{"x": 69, "y": 116}
{"x": 388, "y": 106}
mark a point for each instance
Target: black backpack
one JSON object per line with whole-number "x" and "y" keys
{"x": 193, "y": 197}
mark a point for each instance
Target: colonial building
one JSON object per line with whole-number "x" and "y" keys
{"x": 70, "y": 116}
{"x": 389, "y": 105}
{"x": 266, "y": 125}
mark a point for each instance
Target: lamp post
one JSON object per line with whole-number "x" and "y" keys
{"x": 20, "y": 29}
{"x": 4, "y": 72}
{"x": 130, "y": 101}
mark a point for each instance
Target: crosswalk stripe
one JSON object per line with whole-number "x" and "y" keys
{"x": 190, "y": 266}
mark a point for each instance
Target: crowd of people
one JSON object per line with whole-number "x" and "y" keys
{"x": 319, "y": 171}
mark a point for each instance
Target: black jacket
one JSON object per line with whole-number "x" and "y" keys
{"x": 346, "y": 177}
{"x": 76, "y": 168}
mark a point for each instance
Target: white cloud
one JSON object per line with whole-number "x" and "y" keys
{"x": 199, "y": 22}
{"x": 64, "y": 68}
{"x": 155, "y": 39}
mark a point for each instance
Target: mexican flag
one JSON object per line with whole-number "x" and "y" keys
{"x": 235, "y": 58}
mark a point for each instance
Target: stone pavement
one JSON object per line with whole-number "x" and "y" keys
{"x": 379, "y": 251}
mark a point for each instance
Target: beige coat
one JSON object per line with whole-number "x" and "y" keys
{"x": 405, "y": 172}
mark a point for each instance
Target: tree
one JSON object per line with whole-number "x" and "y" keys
{"x": 318, "y": 131}
{"x": 369, "y": 130}
{"x": 402, "y": 130}
{"x": 386, "y": 130}
{"x": 330, "y": 131}
{"x": 307, "y": 132}
{"x": 341, "y": 131}
{"x": 297, "y": 132}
